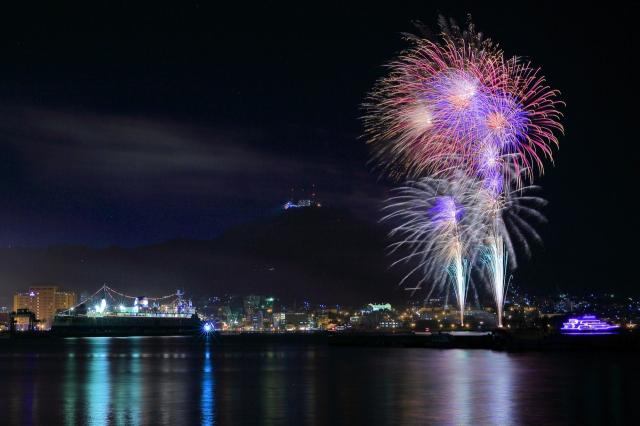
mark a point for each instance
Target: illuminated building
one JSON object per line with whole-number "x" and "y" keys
{"x": 291, "y": 321}
{"x": 433, "y": 304}
{"x": 252, "y": 304}
{"x": 302, "y": 203}
{"x": 373, "y": 307}
{"x": 279, "y": 320}
{"x": 322, "y": 320}
{"x": 257, "y": 321}
{"x": 44, "y": 301}
{"x": 256, "y": 312}
{"x": 23, "y": 320}
{"x": 389, "y": 323}
{"x": 4, "y": 321}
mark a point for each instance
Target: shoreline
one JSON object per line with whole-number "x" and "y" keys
{"x": 497, "y": 340}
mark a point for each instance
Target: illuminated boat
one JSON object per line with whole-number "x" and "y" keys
{"x": 587, "y": 324}
{"x": 164, "y": 316}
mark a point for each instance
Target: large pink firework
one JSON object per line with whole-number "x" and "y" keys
{"x": 460, "y": 104}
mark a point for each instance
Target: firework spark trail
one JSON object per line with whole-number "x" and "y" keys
{"x": 495, "y": 258}
{"x": 507, "y": 216}
{"x": 459, "y": 272}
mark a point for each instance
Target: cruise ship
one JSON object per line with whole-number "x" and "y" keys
{"x": 587, "y": 324}
{"x": 117, "y": 314}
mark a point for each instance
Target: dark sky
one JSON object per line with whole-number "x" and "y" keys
{"x": 129, "y": 126}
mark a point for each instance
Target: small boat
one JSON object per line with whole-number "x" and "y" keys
{"x": 587, "y": 324}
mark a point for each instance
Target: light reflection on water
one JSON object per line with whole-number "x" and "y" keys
{"x": 98, "y": 386}
{"x": 207, "y": 401}
{"x": 481, "y": 377}
{"x": 181, "y": 381}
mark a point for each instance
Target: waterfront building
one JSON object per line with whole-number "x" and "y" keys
{"x": 23, "y": 320}
{"x": 389, "y": 324}
{"x": 291, "y": 321}
{"x": 4, "y": 320}
{"x": 374, "y": 307}
{"x": 44, "y": 301}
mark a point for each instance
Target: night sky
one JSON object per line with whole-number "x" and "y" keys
{"x": 130, "y": 127}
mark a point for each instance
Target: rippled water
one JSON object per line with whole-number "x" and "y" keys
{"x": 182, "y": 381}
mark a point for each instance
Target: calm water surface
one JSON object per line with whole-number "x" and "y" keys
{"x": 174, "y": 381}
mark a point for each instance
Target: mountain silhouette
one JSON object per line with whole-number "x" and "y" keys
{"x": 322, "y": 255}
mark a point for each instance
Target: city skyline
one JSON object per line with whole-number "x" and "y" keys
{"x": 35, "y": 308}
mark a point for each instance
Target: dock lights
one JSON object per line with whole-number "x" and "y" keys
{"x": 100, "y": 308}
{"x": 207, "y": 328}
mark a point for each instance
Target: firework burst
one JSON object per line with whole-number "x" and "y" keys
{"x": 439, "y": 226}
{"x": 443, "y": 226}
{"x": 443, "y": 104}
